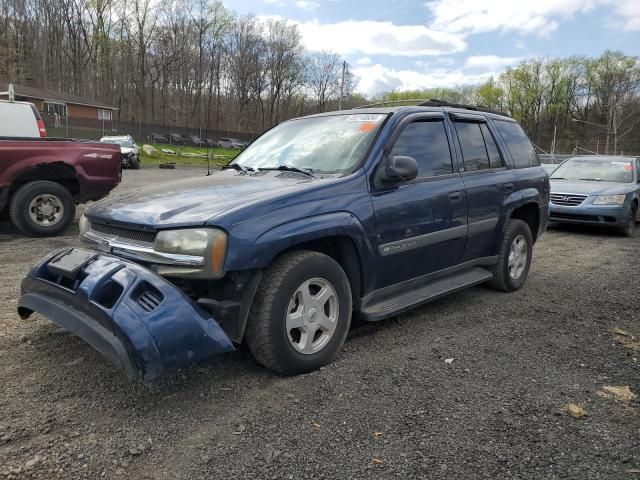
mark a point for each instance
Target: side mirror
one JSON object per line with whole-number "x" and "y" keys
{"x": 400, "y": 169}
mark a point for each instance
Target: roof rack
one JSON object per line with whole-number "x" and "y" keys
{"x": 392, "y": 102}
{"x": 478, "y": 108}
{"x": 432, "y": 102}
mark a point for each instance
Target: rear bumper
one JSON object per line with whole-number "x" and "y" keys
{"x": 544, "y": 220}
{"x": 138, "y": 320}
{"x": 603, "y": 215}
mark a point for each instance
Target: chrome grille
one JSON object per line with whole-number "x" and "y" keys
{"x": 129, "y": 234}
{"x": 568, "y": 199}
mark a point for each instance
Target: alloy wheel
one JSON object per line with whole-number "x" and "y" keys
{"x": 312, "y": 316}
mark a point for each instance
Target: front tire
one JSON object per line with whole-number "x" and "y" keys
{"x": 134, "y": 163}
{"x": 301, "y": 313}
{"x": 514, "y": 258}
{"x": 629, "y": 230}
{"x": 42, "y": 208}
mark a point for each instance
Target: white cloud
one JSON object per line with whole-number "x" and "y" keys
{"x": 490, "y": 62}
{"x": 376, "y": 79}
{"x": 628, "y": 12}
{"x": 539, "y": 17}
{"x": 307, "y": 4}
{"x": 364, "y": 61}
{"x": 378, "y": 38}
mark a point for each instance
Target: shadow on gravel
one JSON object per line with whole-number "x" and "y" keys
{"x": 592, "y": 231}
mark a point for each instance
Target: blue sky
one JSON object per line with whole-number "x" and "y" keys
{"x": 405, "y": 44}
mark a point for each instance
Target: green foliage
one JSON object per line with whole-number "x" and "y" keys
{"x": 217, "y": 156}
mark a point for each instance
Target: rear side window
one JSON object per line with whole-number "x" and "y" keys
{"x": 518, "y": 144}
{"x": 474, "y": 151}
{"x": 427, "y": 142}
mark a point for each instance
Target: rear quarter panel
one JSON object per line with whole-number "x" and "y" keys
{"x": 97, "y": 166}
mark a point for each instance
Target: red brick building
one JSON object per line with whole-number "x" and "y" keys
{"x": 63, "y": 105}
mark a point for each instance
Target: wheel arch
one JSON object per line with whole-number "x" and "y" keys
{"x": 59, "y": 172}
{"x": 530, "y": 214}
{"x": 343, "y": 250}
{"x": 340, "y": 235}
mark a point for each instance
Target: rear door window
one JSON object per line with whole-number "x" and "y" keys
{"x": 495, "y": 159}
{"x": 519, "y": 145}
{"x": 474, "y": 150}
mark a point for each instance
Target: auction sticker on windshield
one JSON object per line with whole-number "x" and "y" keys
{"x": 366, "y": 117}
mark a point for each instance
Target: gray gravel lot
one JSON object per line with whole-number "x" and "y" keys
{"x": 389, "y": 407}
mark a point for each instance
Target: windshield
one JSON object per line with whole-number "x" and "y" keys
{"x": 330, "y": 144}
{"x": 605, "y": 170}
{"x": 117, "y": 141}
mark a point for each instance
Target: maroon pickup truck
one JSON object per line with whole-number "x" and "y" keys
{"x": 42, "y": 180}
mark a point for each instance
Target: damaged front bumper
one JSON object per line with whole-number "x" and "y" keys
{"x": 137, "y": 319}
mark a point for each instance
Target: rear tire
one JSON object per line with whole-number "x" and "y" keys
{"x": 302, "y": 288}
{"x": 514, "y": 258}
{"x": 42, "y": 208}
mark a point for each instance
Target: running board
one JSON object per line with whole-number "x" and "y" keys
{"x": 382, "y": 308}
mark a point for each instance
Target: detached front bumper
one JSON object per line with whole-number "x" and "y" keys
{"x": 138, "y": 320}
{"x": 603, "y": 215}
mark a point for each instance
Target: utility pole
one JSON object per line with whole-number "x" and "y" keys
{"x": 606, "y": 146}
{"x": 344, "y": 72}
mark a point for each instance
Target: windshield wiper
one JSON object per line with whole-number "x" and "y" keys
{"x": 291, "y": 168}
{"x": 238, "y": 167}
{"x": 590, "y": 179}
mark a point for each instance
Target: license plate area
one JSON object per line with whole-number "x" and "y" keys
{"x": 70, "y": 264}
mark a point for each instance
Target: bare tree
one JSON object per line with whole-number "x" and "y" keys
{"x": 324, "y": 71}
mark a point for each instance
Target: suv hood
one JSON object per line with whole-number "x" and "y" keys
{"x": 590, "y": 187}
{"x": 193, "y": 201}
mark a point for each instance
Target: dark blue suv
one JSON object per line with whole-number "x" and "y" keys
{"x": 369, "y": 212}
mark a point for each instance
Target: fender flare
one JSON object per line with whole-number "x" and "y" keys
{"x": 284, "y": 236}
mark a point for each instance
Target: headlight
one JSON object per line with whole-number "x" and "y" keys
{"x": 208, "y": 243}
{"x": 609, "y": 200}
{"x": 84, "y": 224}
{"x": 186, "y": 242}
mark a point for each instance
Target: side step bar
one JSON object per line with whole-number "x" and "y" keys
{"x": 381, "y": 308}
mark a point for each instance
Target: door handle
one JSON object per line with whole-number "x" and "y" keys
{"x": 455, "y": 196}
{"x": 509, "y": 187}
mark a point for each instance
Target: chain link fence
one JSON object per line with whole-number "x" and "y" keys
{"x": 94, "y": 129}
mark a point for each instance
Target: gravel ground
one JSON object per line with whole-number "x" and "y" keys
{"x": 390, "y": 406}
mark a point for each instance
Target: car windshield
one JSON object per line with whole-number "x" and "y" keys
{"x": 117, "y": 141}
{"x": 328, "y": 144}
{"x": 605, "y": 170}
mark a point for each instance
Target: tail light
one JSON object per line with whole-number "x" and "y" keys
{"x": 41, "y": 129}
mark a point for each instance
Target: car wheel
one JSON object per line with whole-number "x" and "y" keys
{"x": 42, "y": 208}
{"x": 135, "y": 163}
{"x": 514, "y": 257}
{"x": 301, "y": 313}
{"x": 629, "y": 229}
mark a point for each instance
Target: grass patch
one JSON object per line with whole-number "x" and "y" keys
{"x": 217, "y": 156}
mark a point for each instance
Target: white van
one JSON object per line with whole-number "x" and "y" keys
{"x": 20, "y": 119}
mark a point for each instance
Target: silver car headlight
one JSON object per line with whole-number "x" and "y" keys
{"x": 209, "y": 243}
{"x": 609, "y": 200}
